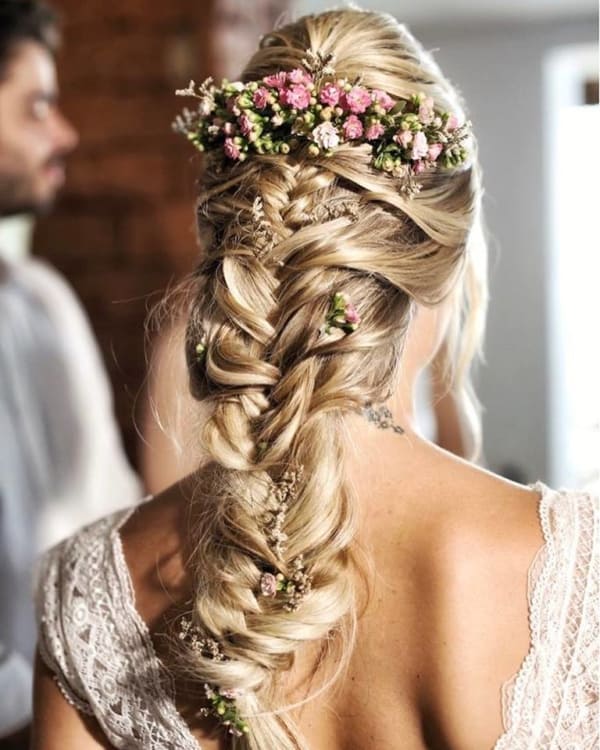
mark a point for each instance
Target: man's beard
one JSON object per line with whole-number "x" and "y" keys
{"x": 17, "y": 195}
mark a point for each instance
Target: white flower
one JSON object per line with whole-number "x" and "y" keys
{"x": 326, "y": 136}
{"x": 420, "y": 146}
{"x": 206, "y": 106}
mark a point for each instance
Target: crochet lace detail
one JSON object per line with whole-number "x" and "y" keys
{"x": 103, "y": 658}
{"x": 553, "y": 702}
{"x": 98, "y": 646}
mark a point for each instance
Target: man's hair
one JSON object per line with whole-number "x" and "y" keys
{"x": 26, "y": 20}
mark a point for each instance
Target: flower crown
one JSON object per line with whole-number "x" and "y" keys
{"x": 309, "y": 105}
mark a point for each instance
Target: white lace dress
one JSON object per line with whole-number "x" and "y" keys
{"x": 101, "y": 654}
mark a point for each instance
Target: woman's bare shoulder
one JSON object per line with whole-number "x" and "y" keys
{"x": 477, "y": 567}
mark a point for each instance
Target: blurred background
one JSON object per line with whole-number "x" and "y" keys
{"x": 123, "y": 228}
{"x": 123, "y": 231}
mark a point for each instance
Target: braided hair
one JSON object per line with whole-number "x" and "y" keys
{"x": 281, "y": 234}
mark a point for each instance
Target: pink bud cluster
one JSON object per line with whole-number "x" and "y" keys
{"x": 288, "y": 108}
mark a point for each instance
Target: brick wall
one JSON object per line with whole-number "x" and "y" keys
{"x": 123, "y": 227}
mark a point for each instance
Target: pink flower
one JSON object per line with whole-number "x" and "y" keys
{"x": 420, "y": 146}
{"x": 329, "y": 95}
{"x": 352, "y": 315}
{"x": 326, "y": 136}
{"x": 231, "y": 150}
{"x": 296, "y": 96}
{"x": 276, "y": 81}
{"x": 268, "y": 584}
{"x": 352, "y": 128}
{"x": 374, "y": 131}
{"x": 418, "y": 167}
{"x": 300, "y": 76}
{"x": 452, "y": 123}
{"x": 426, "y": 113}
{"x": 435, "y": 150}
{"x": 245, "y": 124}
{"x": 403, "y": 137}
{"x": 357, "y": 100}
{"x": 384, "y": 100}
{"x": 261, "y": 98}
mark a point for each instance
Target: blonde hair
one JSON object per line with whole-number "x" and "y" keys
{"x": 279, "y": 390}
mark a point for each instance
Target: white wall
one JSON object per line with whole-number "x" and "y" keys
{"x": 499, "y": 68}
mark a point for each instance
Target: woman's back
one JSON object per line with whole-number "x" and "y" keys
{"x": 447, "y": 620}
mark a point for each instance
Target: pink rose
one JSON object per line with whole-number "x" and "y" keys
{"x": 352, "y": 128}
{"x": 435, "y": 150}
{"x": 231, "y": 150}
{"x": 329, "y": 95}
{"x": 296, "y": 96}
{"x": 420, "y": 146}
{"x": 351, "y": 314}
{"x": 374, "y": 131}
{"x": 426, "y": 111}
{"x": 326, "y": 136}
{"x": 452, "y": 123}
{"x": 418, "y": 167}
{"x": 261, "y": 98}
{"x": 276, "y": 81}
{"x": 268, "y": 584}
{"x": 384, "y": 100}
{"x": 403, "y": 137}
{"x": 357, "y": 100}
{"x": 300, "y": 76}
{"x": 245, "y": 125}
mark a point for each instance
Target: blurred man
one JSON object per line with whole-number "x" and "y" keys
{"x": 61, "y": 459}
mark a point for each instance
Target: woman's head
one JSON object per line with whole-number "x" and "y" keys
{"x": 281, "y": 235}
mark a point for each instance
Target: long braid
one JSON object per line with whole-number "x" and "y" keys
{"x": 282, "y": 235}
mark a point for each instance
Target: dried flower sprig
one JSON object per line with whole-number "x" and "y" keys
{"x": 222, "y": 701}
{"x": 310, "y": 106}
{"x": 281, "y": 493}
{"x": 207, "y": 647}
{"x": 223, "y": 708}
{"x": 342, "y": 314}
{"x": 263, "y": 234}
{"x": 294, "y": 589}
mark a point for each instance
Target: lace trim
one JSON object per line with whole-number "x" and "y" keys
{"x": 160, "y": 674}
{"x": 553, "y": 700}
{"x": 99, "y": 648}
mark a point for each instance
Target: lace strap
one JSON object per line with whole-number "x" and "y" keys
{"x": 554, "y": 701}
{"x": 52, "y": 575}
{"x": 98, "y": 646}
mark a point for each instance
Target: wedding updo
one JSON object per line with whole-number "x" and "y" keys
{"x": 280, "y": 235}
